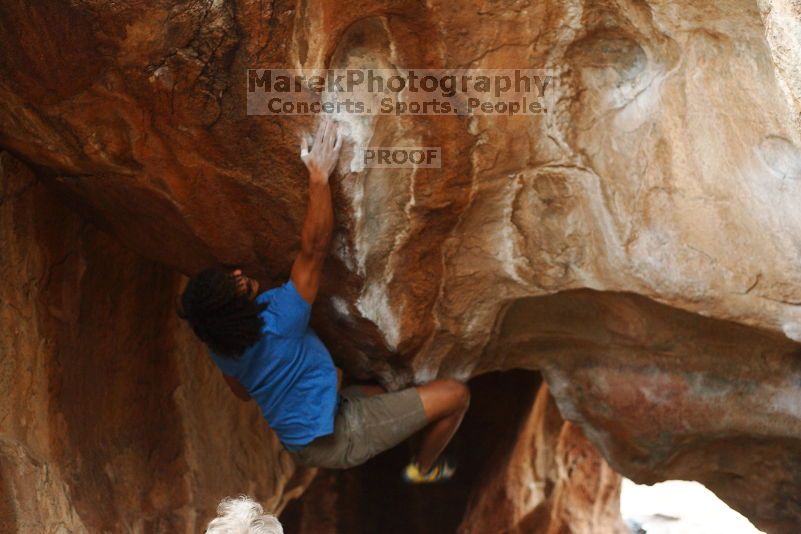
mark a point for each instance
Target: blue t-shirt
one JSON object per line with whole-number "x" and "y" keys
{"x": 288, "y": 372}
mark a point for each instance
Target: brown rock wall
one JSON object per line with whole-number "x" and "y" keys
{"x": 114, "y": 418}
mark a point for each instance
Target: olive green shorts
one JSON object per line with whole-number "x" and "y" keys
{"x": 364, "y": 427}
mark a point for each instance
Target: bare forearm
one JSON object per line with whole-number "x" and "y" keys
{"x": 315, "y": 236}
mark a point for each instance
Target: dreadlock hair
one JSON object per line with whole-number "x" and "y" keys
{"x": 224, "y": 318}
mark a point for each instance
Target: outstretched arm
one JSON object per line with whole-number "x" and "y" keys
{"x": 315, "y": 236}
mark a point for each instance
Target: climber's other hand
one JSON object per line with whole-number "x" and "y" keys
{"x": 321, "y": 157}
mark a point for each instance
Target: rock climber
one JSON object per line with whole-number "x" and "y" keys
{"x": 266, "y": 350}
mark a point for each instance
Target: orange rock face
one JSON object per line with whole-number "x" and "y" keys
{"x": 638, "y": 244}
{"x": 113, "y": 417}
{"x": 552, "y": 480}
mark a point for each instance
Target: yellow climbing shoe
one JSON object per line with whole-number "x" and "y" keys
{"x": 440, "y": 472}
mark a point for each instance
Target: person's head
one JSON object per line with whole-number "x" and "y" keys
{"x": 220, "y": 306}
{"x": 243, "y": 516}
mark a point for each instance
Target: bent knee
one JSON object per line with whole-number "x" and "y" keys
{"x": 458, "y": 392}
{"x": 444, "y": 397}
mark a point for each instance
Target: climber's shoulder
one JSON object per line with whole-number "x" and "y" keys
{"x": 287, "y": 313}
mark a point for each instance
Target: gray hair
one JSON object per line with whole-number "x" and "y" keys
{"x": 243, "y": 515}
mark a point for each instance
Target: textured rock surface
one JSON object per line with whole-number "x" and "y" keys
{"x": 110, "y": 421}
{"x": 552, "y": 480}
{"x": 666, "y": 394}
{"x": 670, "y": 168}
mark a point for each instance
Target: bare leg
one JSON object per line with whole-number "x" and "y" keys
{"x": 445, "y": 403}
